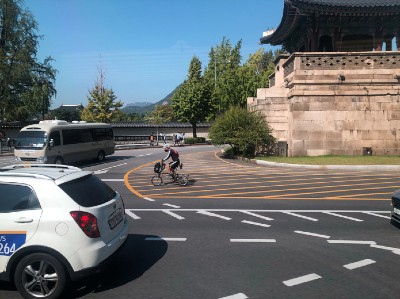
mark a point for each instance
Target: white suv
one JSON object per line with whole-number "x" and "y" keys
{"x": 57, "y": 223}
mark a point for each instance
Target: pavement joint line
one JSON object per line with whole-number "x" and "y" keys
{"x": 301, "y": 279}
{"x": 256, "y": 223}
{"x": 311, "y": 234}
{"x": 359, "y": 264}
{"x": 342, "y": 216}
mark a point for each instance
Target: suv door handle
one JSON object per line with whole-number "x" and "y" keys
{"x": 24, "y": 220}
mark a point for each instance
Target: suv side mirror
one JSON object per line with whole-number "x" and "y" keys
{"x": 51, "y": 143}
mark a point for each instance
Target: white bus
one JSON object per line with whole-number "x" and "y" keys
{"x": 60, "y": 142}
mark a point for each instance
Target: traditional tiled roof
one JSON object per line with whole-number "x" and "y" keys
{"x": 295, "y": 10}
{"x": 148, "y": 125}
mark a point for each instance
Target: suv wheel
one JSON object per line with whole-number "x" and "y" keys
{"x": 40, "y": 275}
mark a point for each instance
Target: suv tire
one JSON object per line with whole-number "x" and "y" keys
{"x": 40, "y": 275}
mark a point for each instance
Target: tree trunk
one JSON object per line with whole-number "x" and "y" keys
{"x": 194, "y": 130}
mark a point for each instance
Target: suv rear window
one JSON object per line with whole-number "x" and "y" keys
{"x": 88, "y": 191}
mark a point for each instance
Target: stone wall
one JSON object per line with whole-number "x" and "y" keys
{"x": 335, "y": 103}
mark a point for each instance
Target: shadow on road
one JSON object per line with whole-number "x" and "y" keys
{"x": 136, "y": 257}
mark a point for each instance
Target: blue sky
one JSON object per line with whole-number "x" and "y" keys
{"x": 143, "y": 46}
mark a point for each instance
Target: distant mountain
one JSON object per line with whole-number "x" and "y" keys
{"x": 144, "y": 107}
{"x": 139, "y": 104}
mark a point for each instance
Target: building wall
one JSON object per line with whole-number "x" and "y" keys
{"x": 335, "y": 103}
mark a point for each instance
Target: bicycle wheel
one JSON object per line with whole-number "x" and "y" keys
{"x": 156, "y": 180}
{"x": 183, "y": 179}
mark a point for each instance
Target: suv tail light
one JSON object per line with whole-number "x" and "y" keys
{"x": 87, "y": 222}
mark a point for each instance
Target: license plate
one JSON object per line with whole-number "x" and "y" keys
{"x": 116, "y": 219}
{"x": 397, "y": 211}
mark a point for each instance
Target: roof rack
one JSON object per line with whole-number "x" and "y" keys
{"x": 53, "y": 166}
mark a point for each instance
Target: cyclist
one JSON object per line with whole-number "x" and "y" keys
{"x": 174, "y": 155}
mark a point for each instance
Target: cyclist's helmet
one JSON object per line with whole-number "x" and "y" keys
{"x": 166, "y": 147}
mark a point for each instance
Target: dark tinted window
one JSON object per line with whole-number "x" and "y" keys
{"x": 77, "y": 136}
{"x": 16, "y": 198}
{"x": 56, "y": 138}
{"x": 88, "y": 191}
{"x": 102, "y": 134}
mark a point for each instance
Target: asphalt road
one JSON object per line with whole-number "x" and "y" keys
{"x": 241, "y": 230}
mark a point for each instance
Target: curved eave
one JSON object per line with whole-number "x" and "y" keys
{"x": 290, "y": 19}
{"x": 295, "y": 10}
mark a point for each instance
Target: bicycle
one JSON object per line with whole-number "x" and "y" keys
{"x": 157, "y": 180}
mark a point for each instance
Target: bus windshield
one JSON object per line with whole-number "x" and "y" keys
{"x": 33, "y": 140}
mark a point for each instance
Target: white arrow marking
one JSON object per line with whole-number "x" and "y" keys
{"x": 236, "y": 296}
{"x": 104, "y": 170}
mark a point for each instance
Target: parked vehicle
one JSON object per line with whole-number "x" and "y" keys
{"x": 60, "y": 142}
{"x": 58, "y": 223}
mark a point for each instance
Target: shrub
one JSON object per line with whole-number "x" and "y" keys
{"x": 248, "y": 133}
{"x": 193, "y": 140}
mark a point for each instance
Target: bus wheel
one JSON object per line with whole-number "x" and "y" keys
{"x": 101, "y": 156}
{"x": 59, "y": 161}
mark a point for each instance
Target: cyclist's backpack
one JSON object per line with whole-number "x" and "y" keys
{"x": 176, "y": 152}
{"x": 157, "y": 167}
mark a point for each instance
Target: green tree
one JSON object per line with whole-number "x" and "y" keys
{"x": 248, "y": 133}
{"x": 20, "y": 72}
{"x": 103, "y": 105}
{"x": 192, "y": 100}
{"x": 161, "y": 114}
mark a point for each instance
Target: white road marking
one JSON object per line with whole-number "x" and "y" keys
{"x": 204, "y": 212}
{"x": 256, "y": 223}
{"x": 133, "y": 215}
{"x": 359, "y": 264}
{"x": 377, "y": 215}
{"x": 351, "y": 242}
{"x": 104, "y": 170}
{"x": 345, "y": 217}
{"x": 256, "y": 215}
{"x": 300, "y": 216}
{"x": 311, "y": 234}
{"x": 269, "y": 211}
{"x": 172, "y": 206}
{"x": 301, "y": 279}
{"x": 384, "y": 247}
{"x": 148, "y": 199}
{"x": 166, "y": 239}
{"x": 173, "y": 215}
{"x": 236, "y": 296}
{"x": 253, "y": 240}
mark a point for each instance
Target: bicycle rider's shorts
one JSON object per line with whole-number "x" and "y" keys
{"x": 174, "y": 164}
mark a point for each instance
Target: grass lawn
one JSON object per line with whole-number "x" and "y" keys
{"x": 336, "y": 160}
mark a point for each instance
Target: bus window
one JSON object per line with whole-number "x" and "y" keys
{"x": 55, "y": 135}
{"x": 77, "y": 136}
{"x": 31, "y": 140}
{"x": 102, "y": 134}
